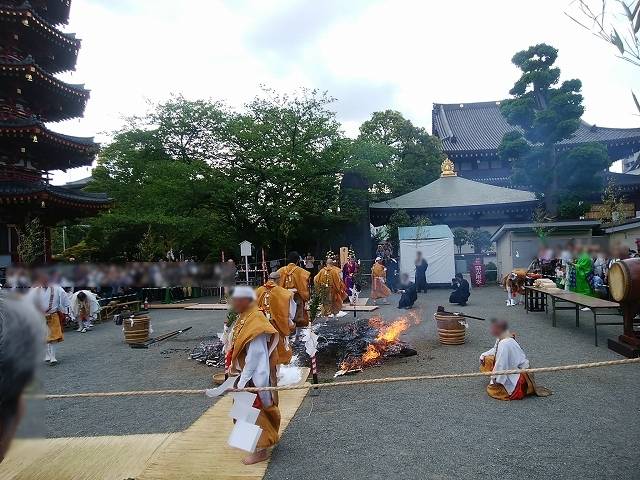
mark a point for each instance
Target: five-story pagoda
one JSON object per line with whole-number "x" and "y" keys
{"x": 32, "y": 50}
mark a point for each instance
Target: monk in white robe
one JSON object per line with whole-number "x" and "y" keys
{"x": 52, "y": 301}
{"x": 507, "y": 354}
{"x": 84, "y": 309}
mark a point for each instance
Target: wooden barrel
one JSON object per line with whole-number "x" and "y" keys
{"x": 136, "y": 329}
{"x": 450, "y": 330}
{"x": 624, "y": 280}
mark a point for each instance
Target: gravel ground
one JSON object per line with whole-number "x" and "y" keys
{"x": 435, "y": 430}
{"x": 99, "y": 361}
{"x": 452, "y": 429}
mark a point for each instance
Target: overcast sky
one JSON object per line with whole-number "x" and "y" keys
{"x": 369, "y": 54}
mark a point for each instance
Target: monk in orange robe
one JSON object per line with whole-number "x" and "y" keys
{"x": 296, "y": 279}
{"x": 278, "y": 306}
{"x": 379, "y": 288}
{"x": 329, "y": 278}
{"x": 253, "y": 354}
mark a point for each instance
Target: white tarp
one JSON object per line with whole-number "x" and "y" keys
{"x": 439, "y": 252}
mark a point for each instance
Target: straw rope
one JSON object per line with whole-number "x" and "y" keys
{"x": 306, "y": 386}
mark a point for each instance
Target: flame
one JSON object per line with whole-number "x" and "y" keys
{"x": 388, "y": 335}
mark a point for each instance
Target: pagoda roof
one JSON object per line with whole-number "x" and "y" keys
{"x": 478, "y": 127}
{"x": 456, "y": 192}
{"x": 57, "y": 100}
{"x": 55, "y": 11}
{"x": 16, "y": 188}
{"x": 52, "y": 203}
{"x": 58, "y": 51}
{"x": 52, "y": 150}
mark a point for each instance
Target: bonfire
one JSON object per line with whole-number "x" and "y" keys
{"x": 386, "y": 343}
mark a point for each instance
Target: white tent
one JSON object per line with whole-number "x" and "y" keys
{"x": 436, "y": 244}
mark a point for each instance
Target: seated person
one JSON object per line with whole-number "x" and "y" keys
{"x": 408, "y": 292}
{"x": 507, "y": 354}
{"x": 461, "y": 293}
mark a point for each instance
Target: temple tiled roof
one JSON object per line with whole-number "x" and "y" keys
{"x": 16, "y": 189}
{"x": 479, "y": 127}
{"x": 456, "y": 192}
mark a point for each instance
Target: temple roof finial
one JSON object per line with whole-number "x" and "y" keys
{"x": 448, "y": 168}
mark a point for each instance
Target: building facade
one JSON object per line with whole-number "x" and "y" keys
{"x": 32, "y": 50}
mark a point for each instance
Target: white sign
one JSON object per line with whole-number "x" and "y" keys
{"x": 245, "y": 248}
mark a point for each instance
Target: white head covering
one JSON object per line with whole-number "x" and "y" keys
{"x": 378, "y": 259}
{"x": 243, "y": 291}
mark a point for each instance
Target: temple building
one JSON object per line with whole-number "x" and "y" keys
{"x": 32, "y": 50}
{"x": 460, "y": 202}
{"x": 472, "y": 132}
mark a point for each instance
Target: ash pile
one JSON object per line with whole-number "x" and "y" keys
{"x": 210, "y": 352}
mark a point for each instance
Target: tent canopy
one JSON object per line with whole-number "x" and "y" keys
{"x": 436, "y": 244}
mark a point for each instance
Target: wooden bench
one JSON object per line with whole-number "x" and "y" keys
{"x": 111, "y": 308}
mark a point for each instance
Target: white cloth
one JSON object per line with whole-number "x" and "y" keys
{"x": 41, "y": 297}
{"x": 92, "y": 307}
{"x": 256, "y": 366}
{"x": 293, "y": 309}
{"x": 509, "y": 355}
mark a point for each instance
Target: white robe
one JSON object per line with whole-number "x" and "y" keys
{"x": 256, "y": 365}
{"x": 92, "y": 305}
{"x": 509, "y": 355}
{"x": 41, "y": 296}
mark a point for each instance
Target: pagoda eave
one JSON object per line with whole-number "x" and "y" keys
{"x": 27, "y": 26}
{"x": 57, "y": 100}
{"x": 34, "y": 141}
{"x": 51, "y": 203}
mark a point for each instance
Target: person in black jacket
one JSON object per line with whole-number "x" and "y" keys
{"x": 461, "y": 293}
{"x": 421, "y": 272}
{"x": 408, "y": 291}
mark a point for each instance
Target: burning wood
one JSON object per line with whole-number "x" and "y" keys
{"x": 352, "y": 347}
{"x": 387, "y": 343}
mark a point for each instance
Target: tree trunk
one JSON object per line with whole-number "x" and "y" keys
{"x": 551, "y": 192}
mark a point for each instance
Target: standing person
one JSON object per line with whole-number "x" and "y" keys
{"x": 421, "y": 272}
{"x": 349, "y": 272}
{"x": 21, "y": 338}
{"x": 84, "y": 309}
{"x": 378, "y": 279}
{"x": 566, "y": 256}
{"x": 328, "y": 278}
{"x": 52, "y": 301}
{"x": 461, "y": 292}
{"x": 296, "y": 279}
{"x": 391, "y": 265}
{"x": 253, "y": 354}
{"x": 310, "y": 263}
{"x": 408, "y": 292}
{"x": 278, "y": 306}
{"x": 584, "y": 268}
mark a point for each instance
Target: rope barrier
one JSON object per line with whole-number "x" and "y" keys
{"x": 134, "y": 393}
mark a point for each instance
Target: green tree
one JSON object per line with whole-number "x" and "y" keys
{"x": 612, "y": 204}
{"x": 406, "y": 156}
{"x": 480, "y": 240}
{"x": 460, "y": 238}
{"x": 31, "y": 241}
{"x": 547, "y": 113}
